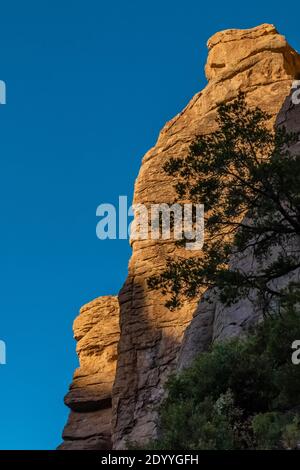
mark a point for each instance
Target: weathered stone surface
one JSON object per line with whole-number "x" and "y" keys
{"x": 87, "y": 431}
{"x": 260, "y": 63}
{"x": 96, "y": 330}
{"x": 198, "y": 336}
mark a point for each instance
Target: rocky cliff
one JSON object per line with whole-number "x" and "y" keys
{"x": 97, "y": 333}
{"x": 260, "y": 63}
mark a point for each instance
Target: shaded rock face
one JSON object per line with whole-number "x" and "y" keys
{"x": 96, "y": 331}
{"x": 152, "y": 340}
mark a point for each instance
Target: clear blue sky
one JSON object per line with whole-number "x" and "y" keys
{"x": 89, "y": 85}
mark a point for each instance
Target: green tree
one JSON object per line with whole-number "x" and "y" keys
{"x": 249, "y": 181}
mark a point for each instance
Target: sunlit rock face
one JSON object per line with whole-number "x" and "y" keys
{"x": 260, "y": 63}
{"x": 96, "y": 331}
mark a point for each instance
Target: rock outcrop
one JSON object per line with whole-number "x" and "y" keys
{"x": 260, "y": 63}
{"x": 96, "y": 331}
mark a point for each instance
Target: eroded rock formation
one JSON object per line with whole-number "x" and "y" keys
{"x": 260, "y": 63}
{"x": 96, "y": 331}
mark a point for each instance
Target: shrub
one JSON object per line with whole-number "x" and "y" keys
{"x": 291, "y": 434}
{"x": 239, "y": 395}
{"x": 267, "y": 428}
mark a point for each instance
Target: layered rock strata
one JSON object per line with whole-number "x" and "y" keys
{"x": 97, "y": 332}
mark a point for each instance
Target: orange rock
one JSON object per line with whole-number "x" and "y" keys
{"x": 96, "y": 330}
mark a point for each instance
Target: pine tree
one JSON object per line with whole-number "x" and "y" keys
{"x": 249, "y": 181}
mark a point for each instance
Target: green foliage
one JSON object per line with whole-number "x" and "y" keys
{"x": 291, "y": 434}
{"x": 240, "y": 395}
{"x": 241, "y": 169}
{"x": 275, "y": 430}
{"x": 243, "y": 393}
{"x": 268, "y": 428}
